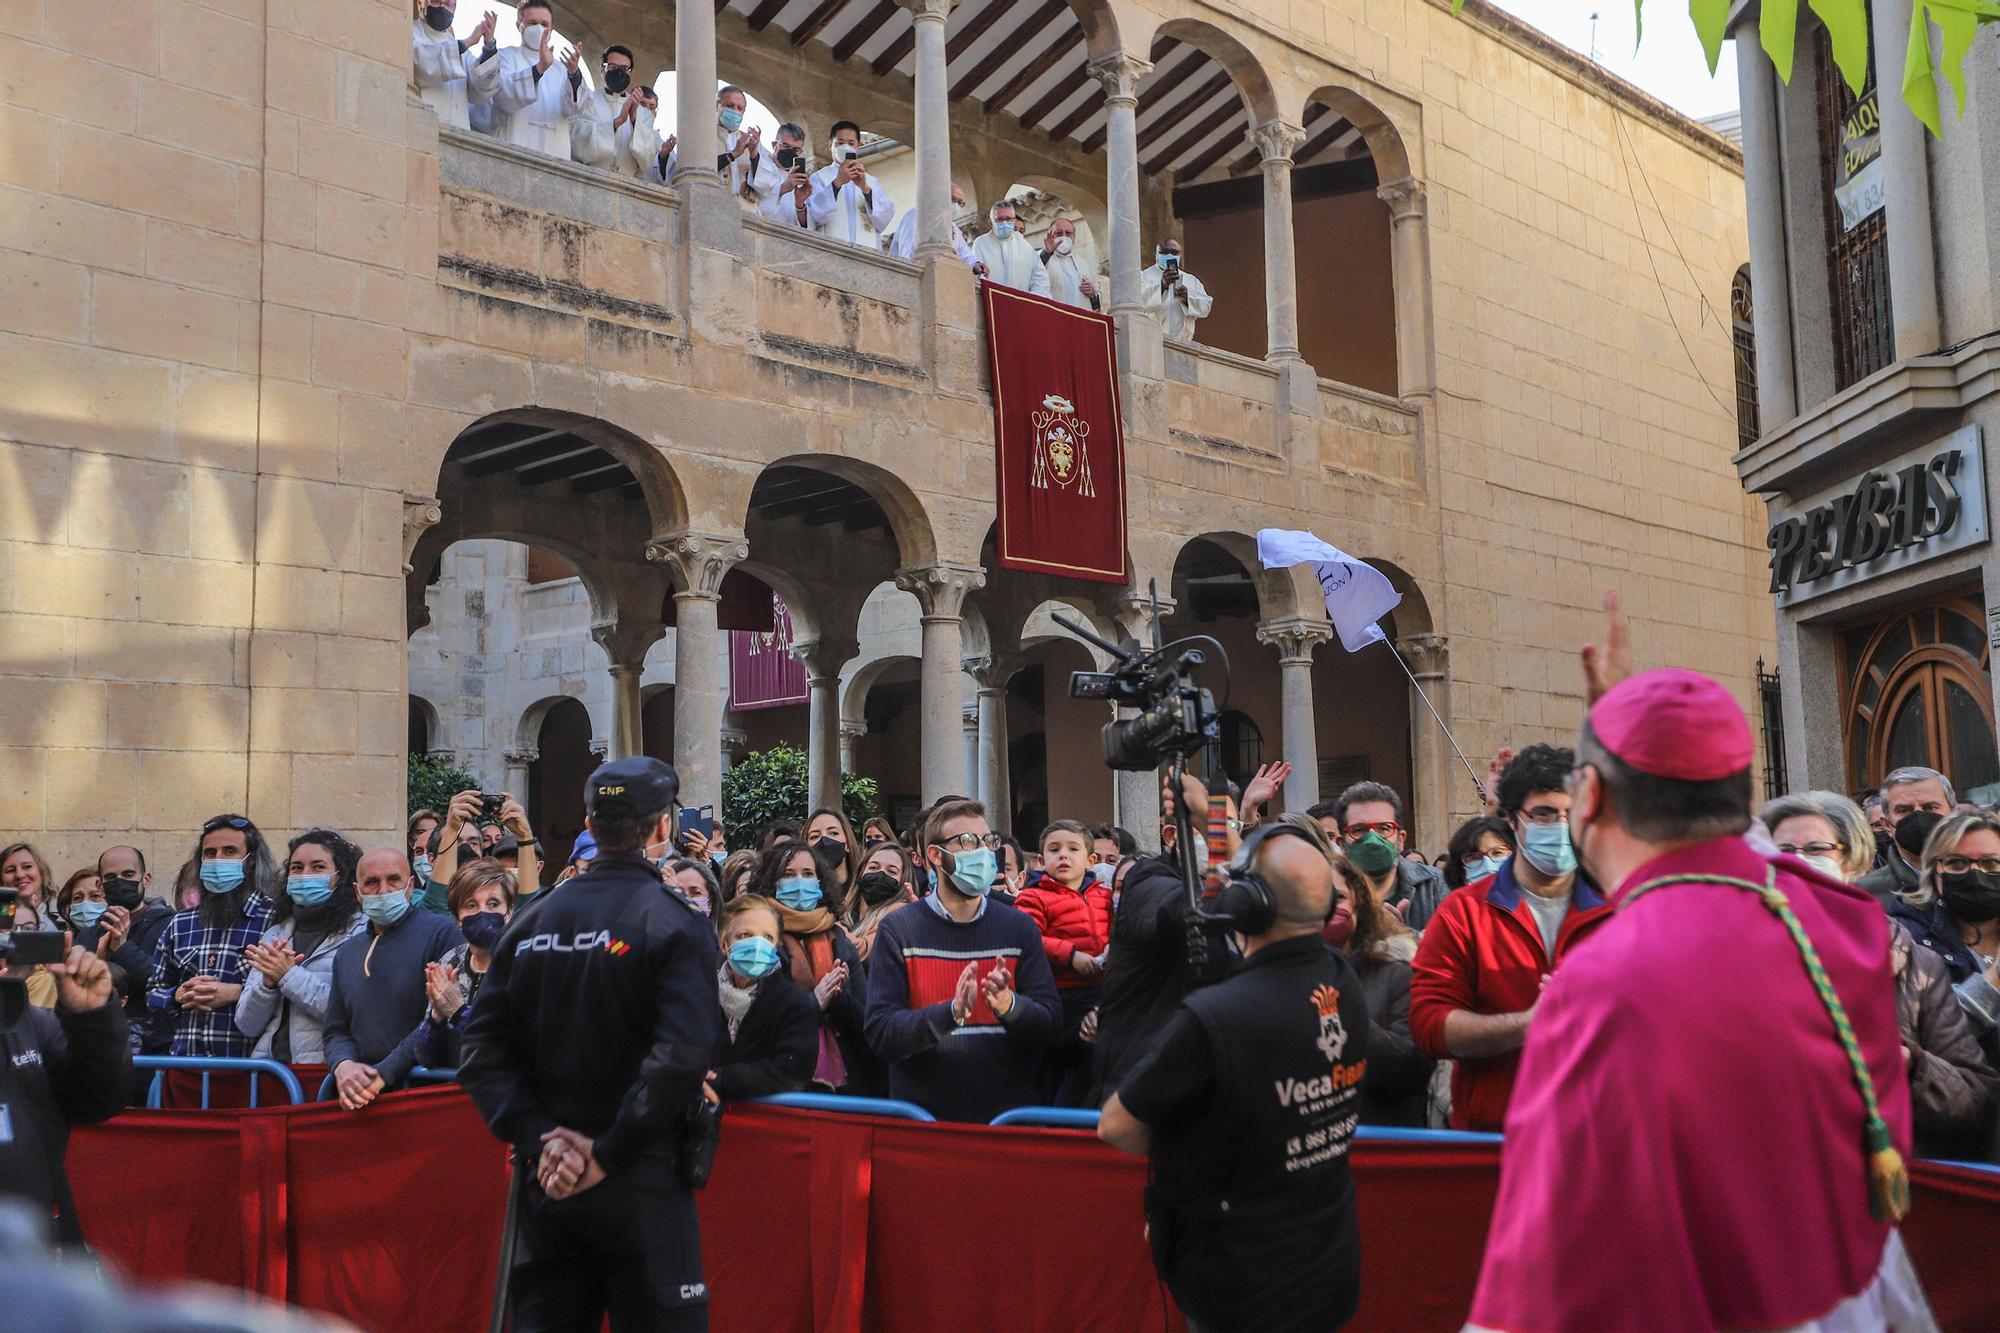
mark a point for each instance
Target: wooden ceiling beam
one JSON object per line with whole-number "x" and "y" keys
{"x": 864, "y": 32}
{"x": 1008, "y": 47}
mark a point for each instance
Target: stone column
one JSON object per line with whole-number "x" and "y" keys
{"x": 1120, "y": 75}
{"x": 1770, "y": 271}
{"x": 694, "y": 102}
{"x": 517, "y": 762}
{"x": 968, "y": 725}
{"x": 851, "y": 732}
{"x": 421, "y": 513}
{"x": 1277, "y": 141}
{"x": 735, "y": 742}
{"x": 823, "y": 660}
{"x": 1431, "y": 761}
{"x": 625, "y": 642}
{"x": 1136, "y": 796}
{"x": 940, "y": 590}
{"x": 600, "y": 750}
{"x": 1906, "y": 192}
{"x": 993, "y": 782}
{"x": 1409, "y": 264}
{"x": 927, "y": 18}
{"x": 1295, "y": 637}
{"x": 699, "y": 560}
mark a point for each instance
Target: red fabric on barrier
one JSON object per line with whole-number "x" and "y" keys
{"x": 812, "y": 1221}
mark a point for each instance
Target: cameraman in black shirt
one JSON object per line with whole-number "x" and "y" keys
{"x": 1246, "y": 1103}
{"x": 586, "y": 1050}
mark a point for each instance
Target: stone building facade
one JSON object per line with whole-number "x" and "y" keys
{"x": 272, "y": 344}
{"x": 1869, "y": 336}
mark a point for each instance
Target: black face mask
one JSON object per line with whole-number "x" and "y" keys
{"x": 787, "y": 156}
{"x": 125, "y": 893}
{"x": 438, "y": 17}
{"x": 616, "y": 80}
{"x": 1971, "y": 896}
{"x": 1914, "y": 830}
{"x": 878, "y": 887}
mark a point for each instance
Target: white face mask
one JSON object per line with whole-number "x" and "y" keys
{"x": 843, "y": 151}
{"x": 532, "y": 35}
{"x": 1064, "y": 245}
{"x": 1827, "y": 866}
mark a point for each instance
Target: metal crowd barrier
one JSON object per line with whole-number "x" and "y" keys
{"x": 1049, "y": 1117}
{"x": 161, "y": 1064}
{"x": 827, "y": 1101}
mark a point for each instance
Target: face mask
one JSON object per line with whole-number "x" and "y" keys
{"x": 1913, "y": 831}
{"x": 531, "y": 36}
{"x": 1373, "y": 855}
{"x": 1339, "y": 928}
{"x": 753, "y": 956}
{"x": 309, "y": 890}
{"x": 1100, "y": 873}
{"x": 124, "y": 893}
{"x": 731, "y": 118}
{"x": 422, "y": 865}
{"x": 1483, "y": 867}
{"x": 438, "y": 17}
{"x": 843, "y": 151}
{"x": 878, "y": 887}
{"x": 482, "y": 929}
{"x": 1972, "y": 896}
{"x": 1064, "y": 245}
{"x": 616, "y": 80}
{"x": 84, "y": 913}
{"x": 385, "y": 909}
{"x": 1827, "y": 866}
{"x": 222, "y": 876}
{"x": 1002, "y": 230}
{"x": 1165, "y": 260}
{"x": 800, "y": 893}
{"x": 1548, "y": 848}
{"x": 973, "y": 873}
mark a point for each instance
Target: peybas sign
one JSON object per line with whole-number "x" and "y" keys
{"x": 1925, "y": 504}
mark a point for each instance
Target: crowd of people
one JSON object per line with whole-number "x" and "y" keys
{"x": 534, "y": 96}
{"x": 864, "y": 962}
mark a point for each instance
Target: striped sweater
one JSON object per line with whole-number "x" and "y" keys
{"x": 974, "y": 1072}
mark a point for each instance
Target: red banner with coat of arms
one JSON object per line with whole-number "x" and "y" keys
{"x": 1058, "y": 441}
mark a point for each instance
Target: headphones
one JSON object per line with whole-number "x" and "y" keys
{"x": 1245, "y": 903}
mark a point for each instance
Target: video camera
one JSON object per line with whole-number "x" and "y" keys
{"x": 21, "y": 949}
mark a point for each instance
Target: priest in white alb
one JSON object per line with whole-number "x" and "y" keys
{"x": 1069, "y": 279}
{"x": 453, "y": 74}
{"x": 1009, "y": 259}
{"x": 610, "y": 120}
{"x": 848, "y": 203}
{"x": 903, "y": 244}
{"x": 540, "y": 92}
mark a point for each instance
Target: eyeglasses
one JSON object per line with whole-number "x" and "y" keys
{"x": 1388, "y": 828}
{"x": 970, "y": 842}
{"x": 237, "y": 822}
{"x": 1811, "y": 848}
{"x": 1544, "y": 815}
{"x": 1958, "y": 865}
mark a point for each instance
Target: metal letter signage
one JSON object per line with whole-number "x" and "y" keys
{"x": 1928, "y": 503}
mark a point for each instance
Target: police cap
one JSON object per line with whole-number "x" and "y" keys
{"x": 631, "y": 787}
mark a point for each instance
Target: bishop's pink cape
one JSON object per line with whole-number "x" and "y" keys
{"x": 1683, "y": 1150}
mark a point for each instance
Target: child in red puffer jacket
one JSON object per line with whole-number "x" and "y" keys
{"x": 1072, "y": 909}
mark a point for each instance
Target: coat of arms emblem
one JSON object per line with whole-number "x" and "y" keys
{"x": 1061, "y": 458}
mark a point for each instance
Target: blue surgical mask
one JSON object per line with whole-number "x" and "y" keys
{"x": 422, "y": 865}
{"x": 84, "y": 912}
{"x": 385, "y": 909}
{"x": 731, "y": 118}
{"x": 222, "y": 876}
{"x": 753, "y": 956}
{"x": 800, "y": 893}
{"x": 309, "y": 890}
{"x": 1483, "y": 867}
{"x": 973, "y": 873}
{"x": 1548, "y": 848}
{"x": 1002, "y": 230}
{"x": 1165, "y": 257}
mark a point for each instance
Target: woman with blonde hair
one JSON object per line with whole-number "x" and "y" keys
{"x": 26, "y": 871}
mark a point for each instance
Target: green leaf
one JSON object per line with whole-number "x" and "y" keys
{"x": 1711, "y": 22}
{"x": 432, "y": 783}
{"x": 1847, "y": 24}
{"x": 1638, "y": 22}
{"x": 1778, "y": 29}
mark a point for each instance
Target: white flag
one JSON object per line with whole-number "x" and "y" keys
{"x": 1357, "y": 593}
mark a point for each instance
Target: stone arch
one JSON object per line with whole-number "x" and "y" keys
{"x": 528, "y": 727}
{"x": 1385, "y": 141}
{"x": 1252, "y": 81}
{"x": 554, "y": 536}
{"x": 806, "y": 626}
{"x": 909, "y": 521}
{"x": 1099, "y": 21}
{"x": 659, "y": 484}
{"x": 1280, "y": 592}
{"x": 424, "y": 714}
{"x": 862, "y": 678}
{"x": 1413, "y": 616}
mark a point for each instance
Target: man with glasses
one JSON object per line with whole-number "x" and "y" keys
{"x": 1490, "y": 949}
{"x": 1367, "y": 823}
{"x": 961, "y": 1002}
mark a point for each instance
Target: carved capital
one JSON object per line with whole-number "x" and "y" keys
{"x": 994, "y": 670}
{"x": 735, "y": 740}
{"x": 1428, "y": 655}
{"x": 1120, "y": 74}
{"x": 421, "y": 513}
{"x": 698, "y": 560}
{"x": 928, "y": 9}
{"x": 1135, "y": 614}
{"x": 1277, "y": 141}
{"x": 521, "y": 757}
{"x": 852, "y": 728}
{"x": 1404, "y": 196}
{"x": 941, "y": 589}
{"x": 1295, "y": 637}
{"x": 443, "y": 756}
{"x": 969, "y": 720}
{"x": 599, "y": 749}
{"x": 823, "y": 658}
{"x": 626, "y": 641}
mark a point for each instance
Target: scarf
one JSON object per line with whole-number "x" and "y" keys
{"x": 810, "y": 955}
{"x": 736, "y": 1000}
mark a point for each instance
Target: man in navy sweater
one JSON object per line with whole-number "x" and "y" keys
{"x": 961, "y": 1002}
{"x": 378, "y": 981}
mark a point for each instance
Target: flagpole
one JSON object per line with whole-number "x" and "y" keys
{"x": 1477, "y": 785}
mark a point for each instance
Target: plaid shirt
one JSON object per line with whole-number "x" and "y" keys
{"x": 189, "y": 949}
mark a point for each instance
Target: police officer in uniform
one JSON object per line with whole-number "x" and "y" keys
{"x": 586, "y": 1051}
{"x": 1246, "y": 1103}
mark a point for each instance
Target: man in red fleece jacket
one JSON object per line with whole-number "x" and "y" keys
{"x": 1072, "y": 909}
